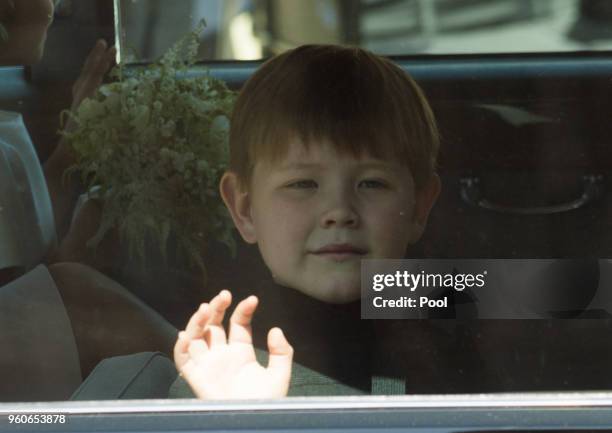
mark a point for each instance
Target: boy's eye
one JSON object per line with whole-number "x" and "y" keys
{"x": 303, "y": 184}
{"x": 372, "y": 183}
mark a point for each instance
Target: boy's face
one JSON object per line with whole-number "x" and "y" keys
{"x": 316, "y": 214}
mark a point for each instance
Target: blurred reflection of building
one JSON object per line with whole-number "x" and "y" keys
{"x": 150, "y": 27}
{"x": 250, "y": 29}
{"x": 385, "y": 26}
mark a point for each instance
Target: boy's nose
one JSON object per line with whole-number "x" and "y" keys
{"x": 340, "y": 216}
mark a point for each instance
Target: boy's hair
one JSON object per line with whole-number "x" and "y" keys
{"x": 361, "y": 102}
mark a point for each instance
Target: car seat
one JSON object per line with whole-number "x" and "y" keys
{"x": 57, "y": 323}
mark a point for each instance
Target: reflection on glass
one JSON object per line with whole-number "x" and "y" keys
{"x": 529, "y": 143}
{"x": 252, "y": 29}
{"x": 147, "y": 28}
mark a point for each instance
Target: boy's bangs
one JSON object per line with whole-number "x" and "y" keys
{"x": 351, "y": 133}
{"x": 361, "y": 103}
{"x": 356, "y": 118}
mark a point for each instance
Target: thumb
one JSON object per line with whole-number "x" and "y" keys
{"x": 181, "y": 355}
{"x": 280, "y": 359}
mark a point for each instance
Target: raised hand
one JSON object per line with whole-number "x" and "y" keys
{"x": 218, "y": 367}
{"x": 64, "y": 192}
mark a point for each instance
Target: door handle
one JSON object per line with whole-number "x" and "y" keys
{"x": 471, "y": 193}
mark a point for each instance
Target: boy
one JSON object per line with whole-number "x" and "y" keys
{"x": 332, "y": 159}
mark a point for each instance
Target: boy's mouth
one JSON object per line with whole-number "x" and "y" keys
{"x": 340, "y": 252}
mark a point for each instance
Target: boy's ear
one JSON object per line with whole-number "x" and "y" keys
{"x": 238, "y": 202}
{"x": 426, "y": 197}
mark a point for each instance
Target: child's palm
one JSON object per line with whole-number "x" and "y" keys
{"x": 230, "y": 371}
{"x": 219, "y": 368}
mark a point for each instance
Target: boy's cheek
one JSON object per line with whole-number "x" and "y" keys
{"x": 278, "y": 243}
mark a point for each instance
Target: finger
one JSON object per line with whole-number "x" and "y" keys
{"x": 92, "y": 58}
{"x": 219, "y": 305}
{"x": 197, "y": 349}
{"x": 240, "y": 322}
{"x": 181, "y": 356}
{"x": 281, "y": 356}
{"x": 101, "y": 66}
{"x": 197, "y": 323}
{"x": 93, "y": 74}
{"x": 86, "y": 82}
{"x": 110, "y": 59}
{"x": 214, "y": 333}
{"x": 94, "y": 55}
{"x": 215, "y": 336}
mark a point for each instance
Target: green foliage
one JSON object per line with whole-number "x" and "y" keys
{"x": 155, "y": 142}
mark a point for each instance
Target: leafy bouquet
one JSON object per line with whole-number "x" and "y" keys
{"x": 154, "y": 144}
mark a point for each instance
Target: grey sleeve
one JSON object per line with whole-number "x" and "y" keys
{"x": 180, "y": 389}
{"x": 144, "y": 375}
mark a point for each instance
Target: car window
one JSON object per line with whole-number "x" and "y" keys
{"x": 250, "y": 29}
{"x": 122, "y": 209}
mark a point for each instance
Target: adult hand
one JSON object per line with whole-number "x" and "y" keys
{"x": 64, "y": 192}
{"x": 221, "y": 367}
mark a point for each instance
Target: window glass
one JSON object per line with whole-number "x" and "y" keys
{"x": 250, "y": 29}
{"x": 445, "y": 234}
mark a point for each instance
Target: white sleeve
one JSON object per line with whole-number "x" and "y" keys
{"x": 27, "y": 227}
